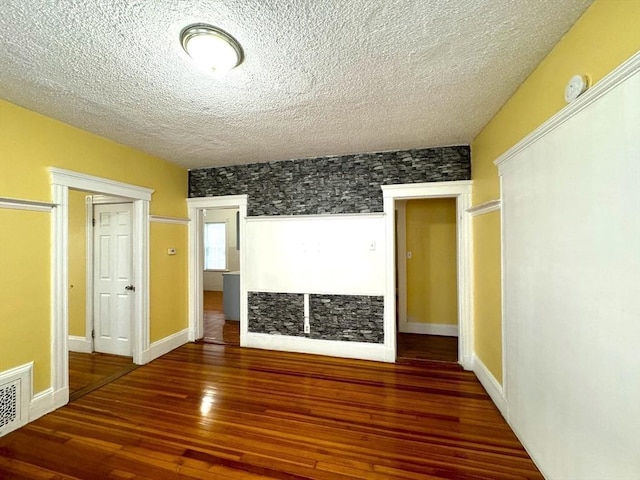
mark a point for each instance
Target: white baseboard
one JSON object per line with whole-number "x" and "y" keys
{"x": 165, "y": 345}
{"x": 332, "y": 348}
{"x": 442, "y": 329}
{"x": 79, "y": 344}
{"x": 47, "y": 401}
{"x": 491, "y": 385}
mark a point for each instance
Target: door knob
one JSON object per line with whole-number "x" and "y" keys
{"x": 130, "y": 287}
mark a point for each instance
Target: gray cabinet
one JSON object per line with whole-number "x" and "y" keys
{"x": 231, "y": 295}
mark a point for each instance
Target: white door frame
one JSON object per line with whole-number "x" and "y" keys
{"x": 196, "y": 260}
{"x": 461, "y": 191}
{"x": 61, "y": 181}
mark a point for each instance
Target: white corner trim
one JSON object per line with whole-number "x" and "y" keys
{"x": 166, "y": 344}
{"x": 609, "y": 82}
{"x": 105, "y": 186}
{"x": 332, "y": 348}
{"x": 79, "y": 344}
{"x": 441, "y": 329}
{"x": 47, "y": 401}
{"x": 173, "y": 220}
{"x": 31, "y": 205}
{"x": 486, "y": 207}
{"x": 491, "y": 385}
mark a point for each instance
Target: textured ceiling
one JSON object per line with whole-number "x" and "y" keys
{"x": 320, "y": 77}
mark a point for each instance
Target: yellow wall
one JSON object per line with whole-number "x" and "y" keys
{"x": 29, "y": 144}
{"x": 169, "y": 296}
{"x": 431, "y": 271}
{"x": 25, "y": 321}
{"x": 605, "y": 36}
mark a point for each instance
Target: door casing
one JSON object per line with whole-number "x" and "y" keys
{"x": 61, "y": 181}
{"x": 196, "y": 260}
{"x": 461, "y": 191}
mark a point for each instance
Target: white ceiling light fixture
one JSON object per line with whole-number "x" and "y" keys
{"x": 211, "y": 47}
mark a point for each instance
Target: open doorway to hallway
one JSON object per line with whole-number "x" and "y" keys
{"x": 427, "y": 290}
{"x": 221, "y": 276}
{"x": 100, "y": 269}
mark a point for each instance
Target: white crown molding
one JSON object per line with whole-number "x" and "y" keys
{"x": 486, "y": 207}
{"x": 609, "y": 82}
{"x": 172, "y": 220}
{"x": 31, "y": 205}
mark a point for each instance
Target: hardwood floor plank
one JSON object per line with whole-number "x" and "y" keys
{"x": 211, "y": 411}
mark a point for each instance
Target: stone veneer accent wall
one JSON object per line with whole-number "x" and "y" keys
{"x": 343, "y": 184}
{"x": 351, "y": 318}
{"x": 326, "y": 185}
{"x": 276, "y": 313}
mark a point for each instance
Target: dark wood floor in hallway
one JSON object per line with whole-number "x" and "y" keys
{"x": 220, "y": 412}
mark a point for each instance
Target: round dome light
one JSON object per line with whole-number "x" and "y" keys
{"x": 211, "y": 47}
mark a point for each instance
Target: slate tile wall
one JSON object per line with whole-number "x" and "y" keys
{"x": 276, "y": 313}
{"x": 339, "y": 184}
{"x": 343, "y": 184}
{"x": 349, "y": 318}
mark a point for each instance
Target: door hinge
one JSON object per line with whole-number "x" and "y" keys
{"x": 93, "y": 334}
{"x": 93, "y": 222}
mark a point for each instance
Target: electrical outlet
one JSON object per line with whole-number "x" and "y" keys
{"x": 307, "y": 327}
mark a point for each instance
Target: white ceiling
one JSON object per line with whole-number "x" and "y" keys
{"x": 320, "y": 77}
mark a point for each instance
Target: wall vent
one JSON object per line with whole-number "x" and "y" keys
{"x": 15, "y": 394}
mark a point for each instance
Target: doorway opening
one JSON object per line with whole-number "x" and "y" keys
{"x": 221, "y": 275}
{"x": 217, "y": 295}
{"x": 101, "y": 290}
{"x": 427, "y": 290}
{"x": 64, "y": 183}
{"x": 395, "y": 302}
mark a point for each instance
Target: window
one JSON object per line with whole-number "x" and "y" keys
{"x": 215, "y": 246}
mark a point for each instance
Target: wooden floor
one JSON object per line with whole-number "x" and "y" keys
{"x": 216, "y": 328}
{"x": 413, "y": 346}
{"x": 218, "y": 412}
{"x": 88, "y": 371}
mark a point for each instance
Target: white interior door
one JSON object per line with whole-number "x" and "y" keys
{"x": 113, "y": 291}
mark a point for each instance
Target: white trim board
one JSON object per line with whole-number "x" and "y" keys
{"x": 332, "y": 348}
{"x": 486, "y": 207}
{"x": 608, "y": 83}
{"x": 79, "y": 344}
{"x": 491, "y": 385}
{"x": 171, "y": 220}
{"x": 31, "y": 205}
{"x": 461, "y": 191}
{"x": 441, "y": 329}
{"x": 165, "y": 345}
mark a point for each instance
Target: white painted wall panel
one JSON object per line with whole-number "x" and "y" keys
{"x": 571, "y": 246}
{"x": 316, "y": 254}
